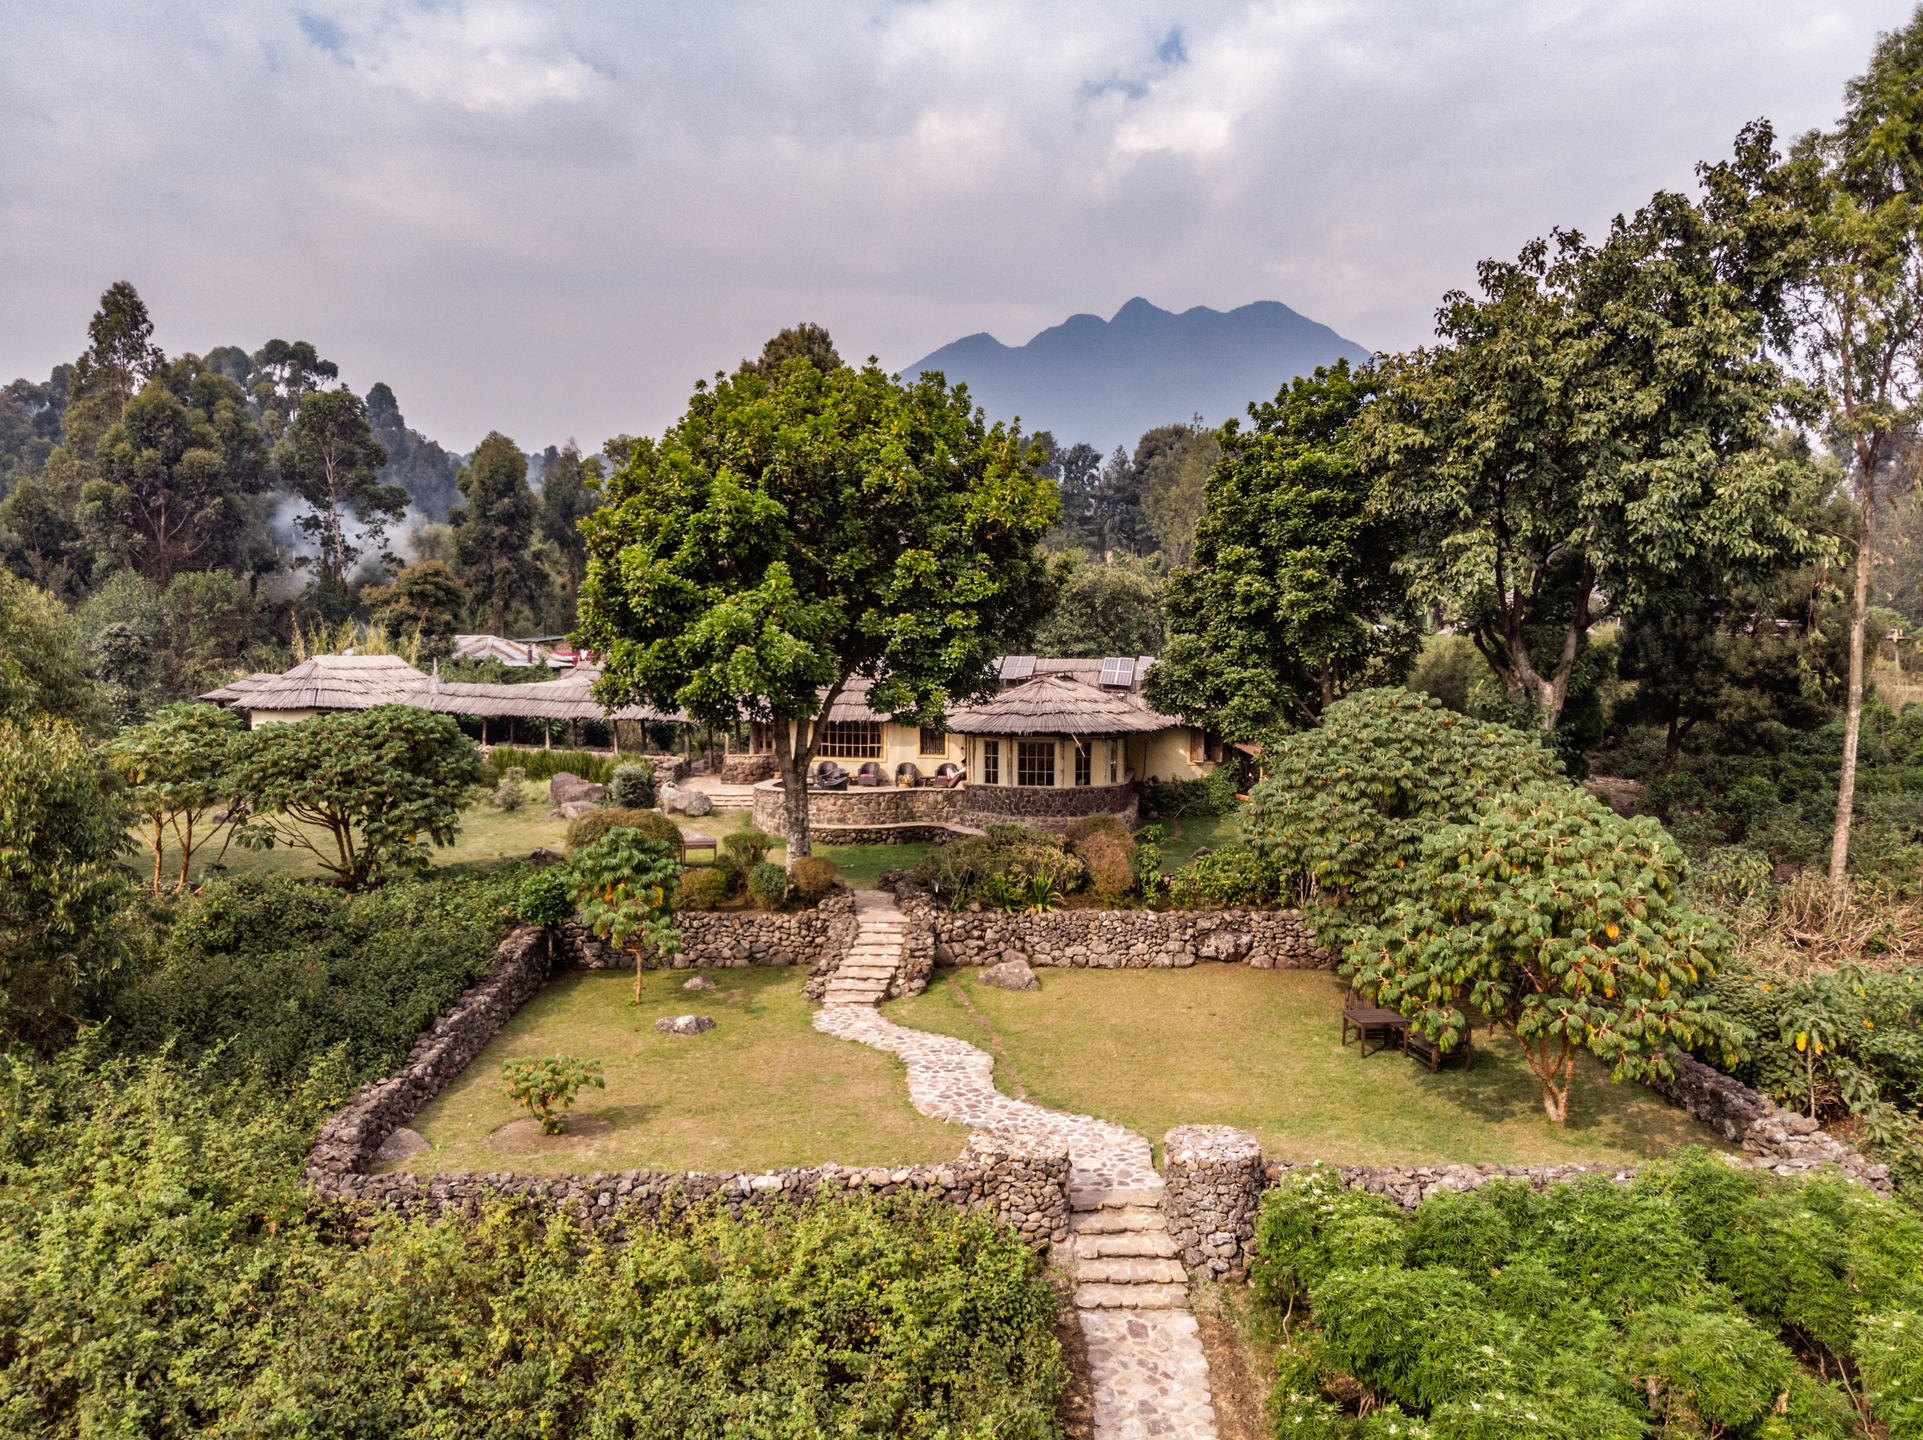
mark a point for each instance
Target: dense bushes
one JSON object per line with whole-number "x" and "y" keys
{"x": 814, "y": 877}
{"x": 702, "y": 887}
{"x": 632, "y": 786}
{"x": 1002, "y": 868}
{"x": 266, "y": 973}
{"x": 542, "y": 764}
{"x": 161, "y": 1274}
{"x": 1679, "y": 1305}
{"x": 585, "y": 829}
{"x": 1234, "y": 876}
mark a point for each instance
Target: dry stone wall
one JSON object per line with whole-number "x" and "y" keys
{"x": 1123, "y": 939}
{"x": 720, "y": 939}
{"x": 1778, "y": 1139}
{"x": 1214, "y": 1179}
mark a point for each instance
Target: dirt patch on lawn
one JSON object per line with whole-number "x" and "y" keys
{"x": 1238, "y": 1378}
{"x": 524, "y": 1137}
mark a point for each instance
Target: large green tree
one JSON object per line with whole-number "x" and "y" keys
{"x": 362, "y": 792}
{"x": 178, "y": 773}
{"x": 331, "y": 460}
{"x": 1295, "y": 597}
{"x": 415, "y": 463}
{"x": 1172, "y": 467}
{"x": 425, "y": 599}
{"x": 175, "y": 472}
{"x": 1112, "y": 609}
{"x": 1593, "y": 425}
{"x": 493, "y": 529}
{"x": 795, "y": 532}
{"x": 120, "y": 358}
{"x": 280, "y": 376}
{"x": 1859, "y": 318}
{"x": 570, "y": 492}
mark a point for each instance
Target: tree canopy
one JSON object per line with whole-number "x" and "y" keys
{"x": 1295, "y": 596}
{"x": 330, "y": 459}
{"x": 493, "y": 527}
{"x": 793, "y": 533}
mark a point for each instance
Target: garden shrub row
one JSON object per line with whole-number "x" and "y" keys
{"x": 542, "y": 764}
{"x": 1702, "y": 1300}
{"x": 162, "y": 1274}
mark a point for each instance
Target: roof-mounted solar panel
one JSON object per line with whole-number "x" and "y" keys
{"x": 1118, "y": 670}
{"x": 1018, "y": 667}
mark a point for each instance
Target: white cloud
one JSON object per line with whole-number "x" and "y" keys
{"x": 490, "y": 55}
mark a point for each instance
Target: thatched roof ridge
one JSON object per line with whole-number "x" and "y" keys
{"x": 359, "y": 682}
{"x": 1054, "y": 705}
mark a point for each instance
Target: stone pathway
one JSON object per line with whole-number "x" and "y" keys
{"x": 863, "y": 975}
{"x": 1146, "y": 1365}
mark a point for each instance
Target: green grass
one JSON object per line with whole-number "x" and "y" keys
{"x": 1192, "y": 832}
{"x": 763, "y": 1088}
{"x": 1260, "y": 1049}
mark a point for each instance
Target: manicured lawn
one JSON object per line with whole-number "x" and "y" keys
{"x": 761, "y": 1089}
{"x": 1260, "y": 1049}
{"x": 1192, "y": 832}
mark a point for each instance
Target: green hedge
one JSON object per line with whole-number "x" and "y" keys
{"x": 160, "y": 1274}
{"x": 1699, "y": 1300}
{"x": 540, "y": 764}
{"x": 270, "y": 973}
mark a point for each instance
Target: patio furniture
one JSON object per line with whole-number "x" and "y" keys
{"x": 1415, "y": 1043}
{"x": 691, "y": 842}
{"x": 908, "y": 773}
{"x": 869, "y": 774}
{"x": 1370, "y": 1022}
{"x": 830, "y": 776}
{"x": 947, "y": 776}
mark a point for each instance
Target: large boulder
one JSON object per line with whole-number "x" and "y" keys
{"x": 1011, "y": 975}
{"x": 699, "y": 982}
{"x": 683, "y": 1024}
{"x": 686, "y": 800}
{"x": 566, "y": 788}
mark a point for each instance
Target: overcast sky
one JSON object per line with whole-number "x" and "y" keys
{"x": 551, "y": 219}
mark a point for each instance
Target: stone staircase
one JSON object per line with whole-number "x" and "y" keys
{"x": 1121, "y": 1255}
{"x": 865, "y": 971}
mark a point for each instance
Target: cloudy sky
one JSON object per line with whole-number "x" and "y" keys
{"x": 551, "y": 219}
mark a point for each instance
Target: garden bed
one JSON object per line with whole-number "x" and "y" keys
{"x": 1259, "y": 1050}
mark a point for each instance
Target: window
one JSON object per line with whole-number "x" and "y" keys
{"x": 1114, "y": 750}
{"x": 851, "y": 740}
{"x": 1084, "y": 765}
{"x": 1197, "y": 749}
{"x": 991, "y": 762}
{"x": 934, "y": 742}
{"x": 761, "y": 738}
{"x": 1034, "y": 762}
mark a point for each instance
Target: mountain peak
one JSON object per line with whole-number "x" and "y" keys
{"x": 1107, "y": 381}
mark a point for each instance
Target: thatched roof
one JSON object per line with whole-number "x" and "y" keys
{"x": 357, "y": 682}
{"x": 1054, "y": 705}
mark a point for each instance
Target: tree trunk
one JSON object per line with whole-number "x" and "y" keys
{"x": 186, "y": 851}
{"x": 1853, "y": 716}
{"x": 1554, "y": 1075}
{"x": 160, "y": 846}
{"x": 793, "y": 769}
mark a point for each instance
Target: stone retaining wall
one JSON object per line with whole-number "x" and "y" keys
{"x": 747, "y": 769}
{"x": 1214, "y": 1179}
{"x": 1779, "y": 1139}
{"x": 1123, "y": 939}
{"x": 719, "y": 939}
{"x": 1019, "y": 1181}
{"x": 981, "y": 804}
{"x": 887, "y": 811}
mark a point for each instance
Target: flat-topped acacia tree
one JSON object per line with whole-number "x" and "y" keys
{"x": 798, "y": 531}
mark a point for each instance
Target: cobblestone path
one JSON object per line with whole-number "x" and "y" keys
{"x": 1146, "y": 1365}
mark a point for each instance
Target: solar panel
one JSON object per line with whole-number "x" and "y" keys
{"x": 1018, "y": 667}
{"x": 1118, "y": 670}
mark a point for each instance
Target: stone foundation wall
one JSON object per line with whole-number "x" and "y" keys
{"x": 1214, "y": 1179}
{"x": 747, "y": 769}
{"x": 1124, "y": 939}
{"x": 1020, "y": 1182}
{"x": 937, "y": 814}
{"x": 1779, "y": 1139}
{"x": 717, "y": 939}
{"x": 984, "y": 804}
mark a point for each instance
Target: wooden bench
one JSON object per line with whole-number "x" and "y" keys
{"x": 691, "y": 842}
{"x": 1415, "y": 1043}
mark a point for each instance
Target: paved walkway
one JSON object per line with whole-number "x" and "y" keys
{"x": 1145, "y": 1358}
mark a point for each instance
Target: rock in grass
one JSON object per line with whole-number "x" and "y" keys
{"x": 401, "y": 1144}
{"x": 683, "y": 1024}
{"x": 1011, "y": 975}
{"x": 700, "y": 982}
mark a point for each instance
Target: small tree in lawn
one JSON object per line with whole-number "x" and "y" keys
{"x": 546, "y": 1088}
{"x": 624, "y": 885}
{"x": 363, "y": 793}
{"x": 179, "y": 769}
{"x": 801, "y": 528}
{"x": 1558, "y": 920}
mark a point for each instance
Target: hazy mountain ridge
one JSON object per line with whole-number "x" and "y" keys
{"x": 1106, "y": 381}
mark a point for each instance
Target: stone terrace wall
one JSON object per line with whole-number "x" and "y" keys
{"x": 1047, "y": 805}
{"x": 879, "y": 814}
{"x": 1214, "y": 1179}
{"x": 719, "y": 939}
{"x": 1779, "y": 1139}
{"x": 1021, "y": 1182}
{"x": 1123, "y": 939}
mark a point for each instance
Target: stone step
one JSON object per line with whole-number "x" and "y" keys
{"x": 853, "y": 994}
{"x": 1135, "y": 1219}
{"x": 866, "y": 972}
{"x": 1115, "y": 1197}
{"x": 1131, "y": 1297}
{"x": 1132, "y": 1270}
{"x": 1129, "y": 1242}
{"x": 865, "y": 983}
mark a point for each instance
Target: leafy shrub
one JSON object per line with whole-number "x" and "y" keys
{"x": 546, "y": 1088}
{"x": 732, "y": 871}
{"x": 1347, "y": 804}
{"x": 162, "y": 1272}
{"x": 1110, "y": 860}
{"x": 814, "y": 877}
{"x": 1594, "y": 1309}
{"x": 546, "y": 898}
{"x": 584, "y": 830}
{"x": 544, "y": 764}
{"x": 1224, "y": 786}
{"x": 1233, "y": 876}
{"x": 1100, "y": 823}
{"x": 632, "y": 786}
{"x": 274, "y": 973}
{"x": 964, "y": 870}
{"x": 624, "y": 892}
{"x": 750, "y": 847}
{"x": 1737, "y": 876}
{"x": 701, "y": 887}
{"x": 1560, "y": 921}
{"x": 1174, "y": 799}
{"x": 768, "y": 883}
{"x": 508, "y": 795}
